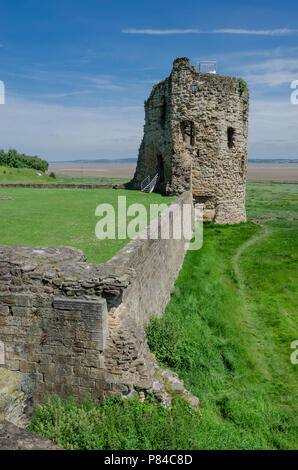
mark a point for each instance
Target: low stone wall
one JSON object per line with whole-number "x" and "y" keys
{"x": 63, "y": 186}
{"x": 77, "y": 328}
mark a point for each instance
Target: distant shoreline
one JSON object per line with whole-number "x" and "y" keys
{"x": 134, "y": 160}
{"x": 256, "y": 171}
{"x": 101, "y": 160}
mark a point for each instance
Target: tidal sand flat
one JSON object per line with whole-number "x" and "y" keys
{"x": 272, "y": 172}
{"x": 96, "y": 169}
{"x": 255, "y": 171}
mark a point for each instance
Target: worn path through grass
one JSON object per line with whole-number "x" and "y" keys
{"x": 243, "y": 248}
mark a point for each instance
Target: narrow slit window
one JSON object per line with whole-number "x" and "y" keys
{"x": 161, "y": 170}
{"x": 163, "y": 113}
{"x": 187, "y": 130}
{"x": 193, "y": 89}
{"x": 231, "y": 136}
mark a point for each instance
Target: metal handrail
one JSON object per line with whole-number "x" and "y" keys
{"x": 148, "y": 185}
{"x": 206, "y": 66}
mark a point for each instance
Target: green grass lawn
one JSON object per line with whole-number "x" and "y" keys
{"x": 52, "y": 217}
{"x": 29, "y": 176}
{"x": 272, "y": 200}
{"x": 227, "y": 332}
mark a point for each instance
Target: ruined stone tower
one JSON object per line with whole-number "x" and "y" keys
{"x": 195, "y": 138}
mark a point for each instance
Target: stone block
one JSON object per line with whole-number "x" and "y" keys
{"x": 93, "y": 313}
{"x": 16, "y": 398}
{"x": 23, "y": 300}
{"x": 15, "y": 438}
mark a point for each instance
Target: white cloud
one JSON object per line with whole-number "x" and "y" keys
{"x": 65, "y": 95}
{"x": 161, "y": 31}
{"x": 234, "y": 59}
{"x": 273, "y": 128}
{"x": 57, "y": 132}
{"x": 257, "y": 32}
{"x": 103, "y": 82}
{"x": 283, "y": 63}
{"x": 272, "y": 73}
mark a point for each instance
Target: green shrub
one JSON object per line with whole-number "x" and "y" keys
{"x": 242, "y": 85}
{"x": 168, "y": 341}
{"x": 17, "y": 160}
{"x": 117, "y": 424}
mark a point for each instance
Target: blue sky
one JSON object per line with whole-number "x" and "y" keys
{"x": 77, "y": 72}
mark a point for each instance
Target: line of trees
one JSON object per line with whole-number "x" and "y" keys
{"x": 19, "y": 160}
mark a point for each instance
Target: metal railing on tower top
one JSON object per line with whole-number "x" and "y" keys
{"x": 206, "y": 66}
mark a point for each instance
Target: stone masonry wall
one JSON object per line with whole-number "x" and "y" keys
{"x": 157, "y": 141}
{"x": 77, "y": 328}
{"x": 195, "y": 135}
{"x": 62, "y": 186}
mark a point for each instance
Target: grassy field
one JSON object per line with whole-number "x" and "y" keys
{"x": 272, "y": 200}
{"x": 47, "y": 217}
{"x": 227, "y": 332}
{"x": 29, "y": 176}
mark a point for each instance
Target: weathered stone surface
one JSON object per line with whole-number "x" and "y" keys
{"x": 16, "y": 398}
{"x": 56, "y": 328}
{"x": 14, "y": 438}
{"x": 195, "y": 136}
{"x": 94, "y": 316}
{"x": 176, "y": 386}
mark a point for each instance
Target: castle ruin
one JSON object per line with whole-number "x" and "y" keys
{"x": 195, "y": 139}
{"x": 78, "y": 329}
